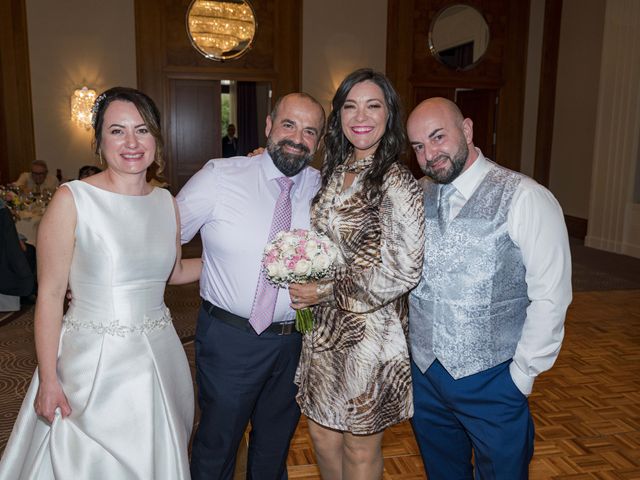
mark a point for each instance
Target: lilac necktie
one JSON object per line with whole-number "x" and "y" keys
{"x": 264, "y": 302}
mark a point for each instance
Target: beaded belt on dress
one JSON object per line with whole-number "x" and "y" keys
{"x": 114, "y": 327}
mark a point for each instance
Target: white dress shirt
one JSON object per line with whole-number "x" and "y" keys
{"x": 231, "y": 202}
{"x": 536, "y": 225}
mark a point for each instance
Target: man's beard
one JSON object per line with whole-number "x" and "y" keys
{"x": 450, "y": 173}
{"x": 289, "y": 163}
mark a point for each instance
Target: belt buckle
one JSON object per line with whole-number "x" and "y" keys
{"x": 286, "y": 328}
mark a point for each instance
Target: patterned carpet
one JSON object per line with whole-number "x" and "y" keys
{"x": 17, "y": 358}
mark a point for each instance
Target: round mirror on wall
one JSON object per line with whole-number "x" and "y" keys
{"x": 459, "y": 37}
{"x": 221, "y": 30}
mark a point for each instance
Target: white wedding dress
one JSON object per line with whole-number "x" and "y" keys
{"x": 120, "y": 364}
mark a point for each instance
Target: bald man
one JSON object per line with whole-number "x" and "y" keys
{"x": 488, "y": 315}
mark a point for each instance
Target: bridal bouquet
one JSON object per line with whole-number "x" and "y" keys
{"x": 299, "y": 256}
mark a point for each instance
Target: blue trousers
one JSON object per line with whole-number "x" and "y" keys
{"x": 484, "y": 414}
{"x": 243, "y": 377}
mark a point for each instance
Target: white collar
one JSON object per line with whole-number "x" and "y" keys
{"x": 467, "y": 182}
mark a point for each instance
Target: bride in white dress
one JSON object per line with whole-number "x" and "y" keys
{"x": 112, "y": 393}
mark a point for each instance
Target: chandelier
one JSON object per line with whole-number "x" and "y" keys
{"x": 220, "y": 27}
{"x": 81, "y": 103}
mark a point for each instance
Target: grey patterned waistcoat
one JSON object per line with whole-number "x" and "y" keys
{"x": 470, "y": 306}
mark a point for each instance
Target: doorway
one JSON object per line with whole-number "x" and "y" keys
{"x": 200, "y": 111}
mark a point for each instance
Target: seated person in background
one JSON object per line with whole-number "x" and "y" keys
{"x": 38, "y": 179}
{"x": 17, "y": 275}
{"x": 230, "y": 142}
{"x": 87, "y": 170}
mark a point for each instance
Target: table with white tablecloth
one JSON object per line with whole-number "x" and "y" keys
{"x": 27, "y": 226}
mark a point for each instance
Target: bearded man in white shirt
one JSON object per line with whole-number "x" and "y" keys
{"x": 488, "y": 315}
{"x": 245, "y": 371}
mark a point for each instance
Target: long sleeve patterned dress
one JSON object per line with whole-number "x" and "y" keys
{"x": 354, "y": 373}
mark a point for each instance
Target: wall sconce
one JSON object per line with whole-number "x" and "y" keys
{"x": 81, "y": 103}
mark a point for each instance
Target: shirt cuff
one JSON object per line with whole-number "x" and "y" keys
{"x": 522, "y": 381}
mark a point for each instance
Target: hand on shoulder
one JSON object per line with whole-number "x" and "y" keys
{"x": 257, "y": 151}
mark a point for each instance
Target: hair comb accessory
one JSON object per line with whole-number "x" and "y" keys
{"x": 95, "y": 108}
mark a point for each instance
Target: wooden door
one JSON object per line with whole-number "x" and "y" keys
{"x": 480, "y": 106}
{"x": 194, "y": 129}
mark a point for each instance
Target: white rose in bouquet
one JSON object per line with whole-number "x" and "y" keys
{"x": 302, "y": 268}
{"x": 311, "y": 249}
{"x": 277, "y": 271}
{"x": 290, "y": 241}
{"x": 321, "y": 263}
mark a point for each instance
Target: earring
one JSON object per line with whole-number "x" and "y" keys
{"x": 100, "y": 156}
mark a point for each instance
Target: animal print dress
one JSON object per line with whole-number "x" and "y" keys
{"x": 354, "y": 373}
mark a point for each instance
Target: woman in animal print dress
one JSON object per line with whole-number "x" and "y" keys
{"x": 354, "y": 375}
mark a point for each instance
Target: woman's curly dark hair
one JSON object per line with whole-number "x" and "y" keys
{"x": 338, "y": 149}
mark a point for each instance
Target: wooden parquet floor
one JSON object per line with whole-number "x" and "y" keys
{"x": 586, "y": 409}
